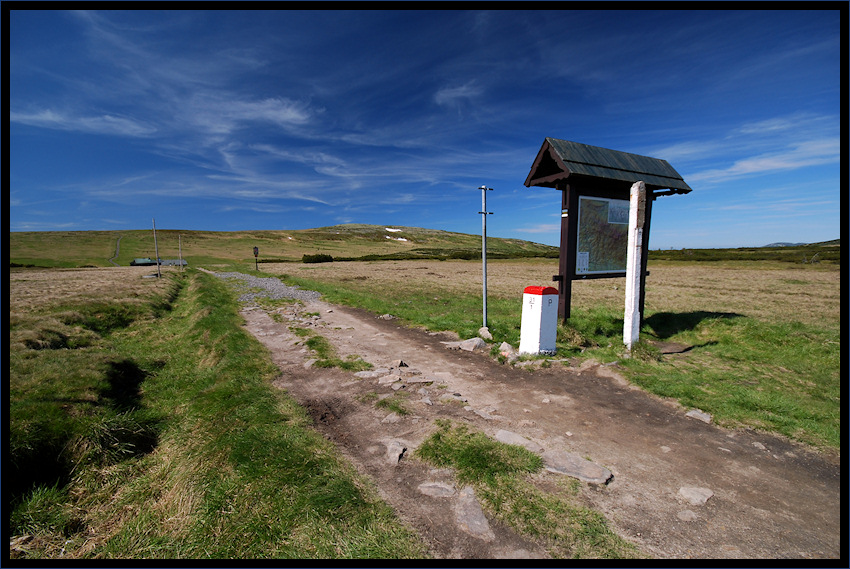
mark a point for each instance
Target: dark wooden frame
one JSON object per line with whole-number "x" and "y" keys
{"x": 548, "y": 170}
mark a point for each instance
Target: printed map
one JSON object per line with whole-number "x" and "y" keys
{"x": 603, "y": 226}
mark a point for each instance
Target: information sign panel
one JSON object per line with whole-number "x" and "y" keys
{"x": 603, "y": 235}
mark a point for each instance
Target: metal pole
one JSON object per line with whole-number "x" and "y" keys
{"x": 156, "y": 249}
{"x": 484, "y": 213}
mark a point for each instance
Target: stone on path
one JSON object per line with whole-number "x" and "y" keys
{"x": 571, "y": 464}
{"x": 696, "y": 496}
{"x": 419, "y": 379}
{"x": 473, "y": 344}
{"x": 508, "y": 351}
{"x": 387, "y": 379}
{"x": 469, "y": 516}
{"x": 470, "y": 345}
{"x": 700, "y": 415}
{"x": 395, "y": 451}
{"x": 511, "y": 438}
{"x": 372, "y": 373}
{"x": 436, "y": 489}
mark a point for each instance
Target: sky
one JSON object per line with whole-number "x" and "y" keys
{"x": 283, "y": 120}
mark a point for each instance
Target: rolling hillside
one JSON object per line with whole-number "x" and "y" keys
{"x": 342, "y": 242}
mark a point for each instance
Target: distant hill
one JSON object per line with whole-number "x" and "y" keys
{"x": 833, "y": 243}
{"x": 804, "y": 253}
{"x": 342, "y": 242}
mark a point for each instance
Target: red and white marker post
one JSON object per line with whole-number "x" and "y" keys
{"x": 539, "y": 320}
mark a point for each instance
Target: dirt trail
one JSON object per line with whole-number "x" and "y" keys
{"x": 771, "y": 498}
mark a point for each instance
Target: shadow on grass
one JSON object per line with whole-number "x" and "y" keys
{"x": 668, "y": 324}
{"x": 113, "y": 431}
{"x": 125, "y": 378}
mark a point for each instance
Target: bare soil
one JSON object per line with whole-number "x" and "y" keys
{"x": 771, "y": 498}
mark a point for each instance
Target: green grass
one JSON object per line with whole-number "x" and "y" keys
{"x": 321, "y": 348}
{"x": 394, "y": 403}
{"x": 827, "y": 252}
{"x": 233, "y": 470}
{"x": 500, "y": 475}
{"x": 774, "y": 376}
{"x": 780, "y": 377}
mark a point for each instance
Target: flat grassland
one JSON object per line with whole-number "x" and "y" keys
{"x": 773, "y": 291}
{"x": 758, "y": 342}
{"x": 758, "y": 347}
{"x": 143, "y": 424}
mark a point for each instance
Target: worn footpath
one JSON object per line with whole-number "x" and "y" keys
{"x": 673, "y": 484}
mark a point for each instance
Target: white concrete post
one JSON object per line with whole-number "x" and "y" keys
{"x": 539, "y": 327}
{"x": 637, "y": 215}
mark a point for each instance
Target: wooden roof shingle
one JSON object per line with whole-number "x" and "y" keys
{"x": 559, "y": 159}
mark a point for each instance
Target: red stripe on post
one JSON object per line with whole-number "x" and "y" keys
{"x": 540, "y": 290}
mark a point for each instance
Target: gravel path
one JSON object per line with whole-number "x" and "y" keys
{"x": 270, "y": 288}
{"x": 117, "y": 250}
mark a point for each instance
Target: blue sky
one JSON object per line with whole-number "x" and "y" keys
{"x": 238, "y": 120}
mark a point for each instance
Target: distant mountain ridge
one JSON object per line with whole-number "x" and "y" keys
{"x": 833, "y": 243}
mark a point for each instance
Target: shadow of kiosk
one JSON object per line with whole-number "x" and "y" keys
{"x": 594, "y": 183}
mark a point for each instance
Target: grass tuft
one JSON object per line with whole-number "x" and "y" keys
{"x": 501, "y": 476}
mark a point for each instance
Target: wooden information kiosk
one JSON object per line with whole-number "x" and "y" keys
{"x": 594, "y": 184}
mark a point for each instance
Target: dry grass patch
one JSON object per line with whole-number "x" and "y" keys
{"x": 769, "y": 291}
{"x": 44, "y": 288}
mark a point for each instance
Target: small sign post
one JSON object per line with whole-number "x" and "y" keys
{"x": 539, "y": 328}
{"x": 256, "y": 252}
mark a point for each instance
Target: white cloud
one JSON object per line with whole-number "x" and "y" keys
{"x": 103, "y": 124}
{"x": 540, "y": 228}
{"x": 219, "y": 114}
{"x": 452, "y": 96}
{"x": 806, "y": 153}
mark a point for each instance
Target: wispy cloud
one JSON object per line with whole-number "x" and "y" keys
{"x": 803, "y": 154}
{"x": 540, "y": 228}
{"x": 220, "y": 113}
{"x": 103, "y": 124}
{"x": 777, "y": 144}
{"x": 457, "y": 97}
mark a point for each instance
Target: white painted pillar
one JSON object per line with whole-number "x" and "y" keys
{"x": 539, "y": 328}
{"x": 637, "y": 215}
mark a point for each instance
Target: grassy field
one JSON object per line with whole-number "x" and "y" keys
{"x": 763, "y": 338}
{"x": 143, "y": 424}
{"x": 138, "y": 406}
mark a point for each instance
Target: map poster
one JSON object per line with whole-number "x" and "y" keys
{"x": 603, "y": 235}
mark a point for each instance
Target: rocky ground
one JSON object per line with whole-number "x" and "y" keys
{"x": 668, "y": 481}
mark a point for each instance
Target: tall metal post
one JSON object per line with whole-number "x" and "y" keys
{"x": 484, "y": 213}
